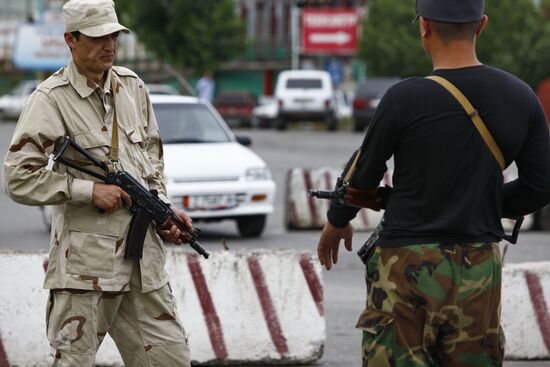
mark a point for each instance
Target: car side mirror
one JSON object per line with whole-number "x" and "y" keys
{"x": 244, "y": 140}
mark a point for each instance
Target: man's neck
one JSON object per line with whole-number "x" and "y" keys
{"x": 457, "y": 56}
{"x": 95, "y": 77}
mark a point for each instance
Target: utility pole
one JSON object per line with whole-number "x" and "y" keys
{"x": 295, "y": 36}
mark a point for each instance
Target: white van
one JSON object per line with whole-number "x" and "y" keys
{"x": 305, "y": 95}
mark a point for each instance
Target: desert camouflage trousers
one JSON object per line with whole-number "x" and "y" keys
{"x": 433, "y": 305}
{"x": 144, "y": 326}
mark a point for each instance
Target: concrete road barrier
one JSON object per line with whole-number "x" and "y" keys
{"x": 238, "y": 308}
{"x": 303, "y": 212}
{"x": 526, "y": 310}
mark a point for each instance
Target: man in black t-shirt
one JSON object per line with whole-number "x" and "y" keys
{"x": 434, "y": 277}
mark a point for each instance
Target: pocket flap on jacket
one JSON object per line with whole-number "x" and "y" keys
{"x": 97, "y": 224}
{"x": 93, "y": 139}
{"x": 136, "y": 135}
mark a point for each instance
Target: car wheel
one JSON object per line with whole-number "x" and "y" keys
{"x": 332, "y": 123}
{"x": 358, "y": 127}
{"x": 263, "y": 123}
{"x": 280, "y": 124}
{"x": 251, "y": 225}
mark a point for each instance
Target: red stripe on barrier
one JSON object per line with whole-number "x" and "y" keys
{"x": 293, "y": 214}
{"x": 328, "y": 181}
{"x": 311, "y": 201}
{"x": 3, "y": 357}
{"x": 539, "y": 305}
{"x": 313, "y": 282}
{"x": 270, "y": 314}
{"x": 213, "y": 323}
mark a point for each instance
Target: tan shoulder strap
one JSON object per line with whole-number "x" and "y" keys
{"x": 474, "y": 116}
{"x": 114, "y": 141}
{"x": 353, "y": 166}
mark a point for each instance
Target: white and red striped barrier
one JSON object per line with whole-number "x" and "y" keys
{"x": 303, "y": 212}
{"x": 526, "y": 310}
{"x": 237, "y": 308}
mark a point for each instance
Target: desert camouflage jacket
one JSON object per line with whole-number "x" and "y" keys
{"x": 87, "y": 246}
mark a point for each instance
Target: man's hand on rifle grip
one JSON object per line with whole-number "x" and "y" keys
{"x": 329, "y": 243}
{"x": 171, "y": 233}
{"x": 109, "y": 197}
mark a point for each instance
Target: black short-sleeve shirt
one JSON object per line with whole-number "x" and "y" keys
{"x": 448, "y": 187}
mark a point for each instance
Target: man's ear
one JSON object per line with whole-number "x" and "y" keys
{"x": 425, "y": 29}
{"x": 69, "y": 40}
{"x": 482, "y": 25}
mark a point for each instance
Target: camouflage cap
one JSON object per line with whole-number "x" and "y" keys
{"x": 93, "y": 18}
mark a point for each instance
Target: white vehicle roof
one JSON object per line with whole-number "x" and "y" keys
{"x": 304, "y": 74}
{"x": 163, "y": 98}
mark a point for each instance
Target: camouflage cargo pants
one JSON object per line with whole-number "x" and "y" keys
{"x": 144, "y": 326}
{"x": 433, "y": 305}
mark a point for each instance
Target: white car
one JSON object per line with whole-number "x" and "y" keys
{"x": 305, "y": 95}
{"x": 12, "y": 103}
{"x": 209, "y": 172}
{"x": 162, "y": 89}
{"x": 265, "y": 114}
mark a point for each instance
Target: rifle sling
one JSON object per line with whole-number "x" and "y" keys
{"x": 114, "y": 141}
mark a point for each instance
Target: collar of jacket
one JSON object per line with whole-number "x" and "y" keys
{"x": 81, "y": 84}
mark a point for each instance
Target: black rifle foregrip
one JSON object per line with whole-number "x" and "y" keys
{"x": 197, "y": 247}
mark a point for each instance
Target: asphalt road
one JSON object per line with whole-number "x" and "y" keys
{"x": 21, "y": 229}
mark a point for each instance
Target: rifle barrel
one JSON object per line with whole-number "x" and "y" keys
{"x": 321, "y": 194}
{"x": 189, "y": 236}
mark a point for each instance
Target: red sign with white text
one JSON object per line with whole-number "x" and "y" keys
{"x": 330, "y": 31}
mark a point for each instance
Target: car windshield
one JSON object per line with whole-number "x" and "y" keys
{"x": 303, "y": 83}
{"x": 375, "y": 87}
{"x": 188, "y": 123}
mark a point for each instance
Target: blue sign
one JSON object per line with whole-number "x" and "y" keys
{"x": 335, "y": 68}
{"x": 40, "y": 46}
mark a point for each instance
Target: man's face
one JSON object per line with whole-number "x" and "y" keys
{"x": 93, "y": 54}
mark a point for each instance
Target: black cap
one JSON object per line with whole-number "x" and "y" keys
{"x": 450, "y": 11}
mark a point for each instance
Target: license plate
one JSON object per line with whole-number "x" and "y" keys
{"x": 209, "y": 202}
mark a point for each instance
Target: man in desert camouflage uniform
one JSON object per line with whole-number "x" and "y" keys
{"x": 94, "y": 290}
{"x": 434, "y": 274}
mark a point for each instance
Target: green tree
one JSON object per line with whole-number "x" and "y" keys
{"x": 516, "y": 39}
{"x": 390, "y": 43}
{"x": 195, "y": 35}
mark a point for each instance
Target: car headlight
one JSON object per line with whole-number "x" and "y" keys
{"x": 257, "y": 174}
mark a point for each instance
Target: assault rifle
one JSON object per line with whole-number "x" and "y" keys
{"x": 146, "y": 206}
{"x": 376, "y": 199}
{"x": 345, "y": 195}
